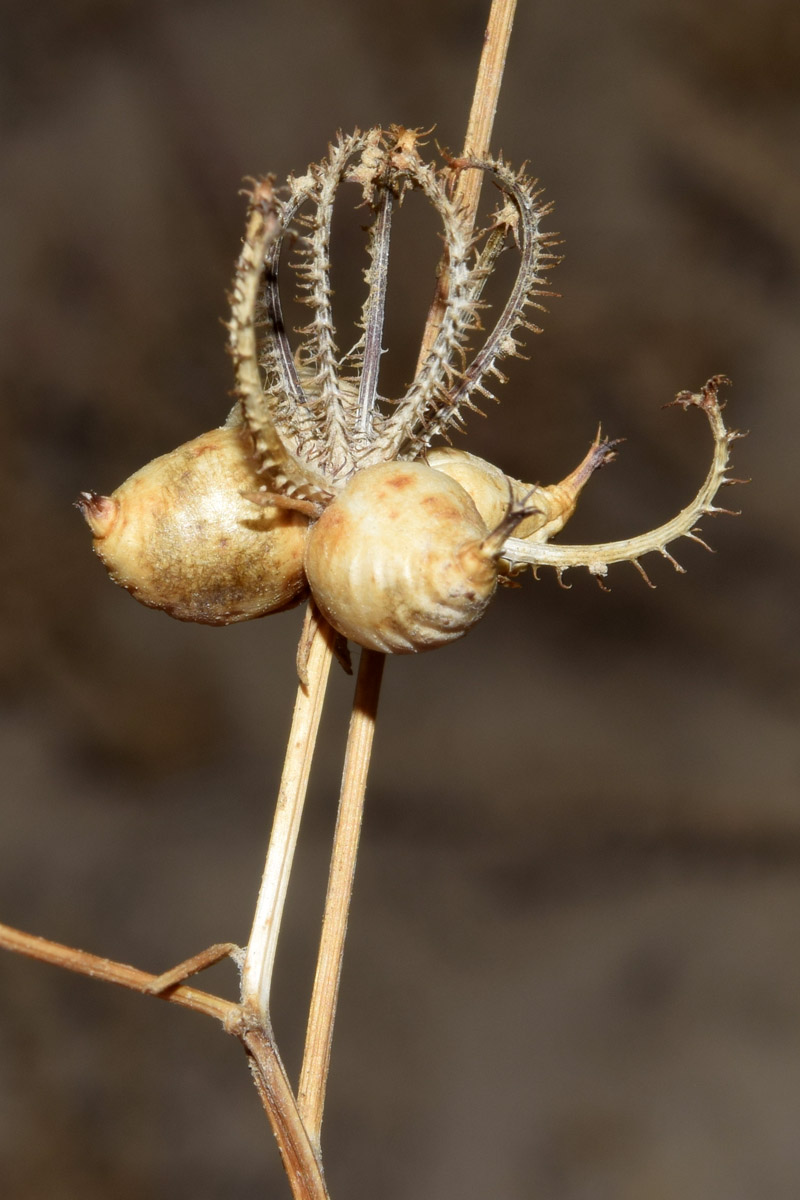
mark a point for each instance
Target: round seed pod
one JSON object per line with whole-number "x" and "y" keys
{"x": 489, "y": 489}
{"x": 401, "y": 561}
{"x": 549, "y": 508}
{"x": 181, "y": 536}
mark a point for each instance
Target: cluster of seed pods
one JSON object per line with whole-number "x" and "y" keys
{"x": 316, "y": 482}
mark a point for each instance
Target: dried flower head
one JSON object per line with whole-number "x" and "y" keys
{"x": 397, "y": 559}
{"x": 318, "y": 421}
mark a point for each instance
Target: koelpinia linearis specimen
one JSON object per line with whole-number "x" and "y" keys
{"x": 345, "y": 491}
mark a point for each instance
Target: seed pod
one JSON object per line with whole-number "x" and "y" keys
{"x": 491, "y": 491}
{"x": 486, "y": 485}
{"x": 401, "y": 560}
{"x": 181, "y": 536}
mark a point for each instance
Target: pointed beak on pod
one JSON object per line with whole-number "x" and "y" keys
{"x": 549, "y": 507}
{"x": 100, "y": 512}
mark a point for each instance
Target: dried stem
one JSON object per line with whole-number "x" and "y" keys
{"x": 316, "y": 1058}
{"x": 484, "y": 103}
{"x": 300, "y": 1158}
{"x": 476, "y": 143}
{"x": 260, "y": 958}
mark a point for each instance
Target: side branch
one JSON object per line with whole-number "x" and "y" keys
{"x": 107, "y": 970}
{"x": 484, "y": 104}
{"x": 299, "y": 1156}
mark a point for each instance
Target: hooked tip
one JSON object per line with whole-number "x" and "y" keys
{"x": 99, "y": 511}
{"x": 602, "y": 451}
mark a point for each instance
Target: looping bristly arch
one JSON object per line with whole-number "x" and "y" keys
{"x": 315, "y": 415}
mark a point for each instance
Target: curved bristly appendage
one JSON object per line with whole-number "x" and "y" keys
{"x": 316, "y": 418}
{"x": 360, "y": 367}
{"x": 535, "y": 255}
{"x": 502, "y": 229}
{"x": 318, "y": 353}
{"x": 376, "y": 277}
{"x": 282, "y": 380}
{"x": 597, "y": 558}
{"x": 370, "y": 172}
{"x": 435, "y": 379}
{"x": 273, "y": 448}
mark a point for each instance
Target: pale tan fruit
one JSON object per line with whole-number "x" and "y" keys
{"x": 181, "y": 536}
{"x": 493, "y": 492}
{"x": 486, "y": 485}
{"x": 401, "y": 560}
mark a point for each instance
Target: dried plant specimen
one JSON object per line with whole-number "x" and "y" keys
{"x": 338, "y": 488}
{"x": 386, "y": 562}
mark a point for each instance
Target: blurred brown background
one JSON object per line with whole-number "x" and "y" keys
{"x": 572, "y": 970}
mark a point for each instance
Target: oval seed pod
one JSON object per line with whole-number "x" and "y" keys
{"x": 401, "y": 560}
{"x": 486, "y": 485}
{"x": 181, "y": 536}
{"x": 492, "y": 492}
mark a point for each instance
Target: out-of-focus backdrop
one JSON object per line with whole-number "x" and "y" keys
{"x": 572, "y": 969}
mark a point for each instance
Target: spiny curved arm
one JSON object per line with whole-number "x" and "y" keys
{"x": 282, "y": 378}
{"x": 364, "y": 359}
{"x": 597, "y": 558}
{"x": 535, "y": 255}
{"x": 260, "y": 409}
{"x": 373, "y": 317}
{"x": 433, "y": 383}
{"x": 318, "y": 354}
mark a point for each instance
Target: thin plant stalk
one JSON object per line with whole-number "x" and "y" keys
{"x": 260, "y": 956}
{"x": 484, "y": 103}
{"x": 319, "y": 1033}
{"x": 299, "y": 1155}
{"x": 316, "y": 1057}
{"x": 476, "y": 144}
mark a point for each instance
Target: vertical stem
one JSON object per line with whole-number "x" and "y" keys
{"x": 260, "y": 958}
{"x": 297, "y": 1127}
{"x": 484, "y": 102}
{"x": 476, "y": 144}
{"x": 316, "y": 1057}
